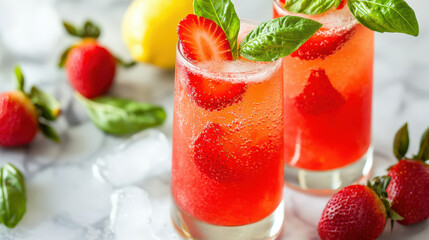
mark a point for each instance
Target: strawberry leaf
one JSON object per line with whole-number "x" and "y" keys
{"x": 63, "y": 57}
{"x": 310, "y": 7}
{"x": 394, "y": 215}
{"x": 90, "y": 30}
{"x": 19, "y": 78}
{"x": 385, "y": 15}
{"x": 125, "y": 64}
{"x": 379, "y": 186}
{"x": 49, "y": 132}
{"x": 48, "y": 106}
{"x": 71, "y": 29}
{"x": 277, "y": 38}
{"x": 13, "y": 199}
{"x": 424, "y": 146}
{"x": 401, "y": 142}
{"x": 222, "y": 12}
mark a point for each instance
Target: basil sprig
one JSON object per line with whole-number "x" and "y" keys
{"x": 310, "y": 7}
{"x": 122, "y": 116}
{"x": 222, "y": 12}
{"x": 385, "y": 15}
{"x": 12, "y": 196}
{"x": 277, "y": 38}
{"x": 377, "y": 15}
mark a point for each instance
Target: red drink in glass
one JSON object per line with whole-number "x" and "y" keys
{"x": 228, "y": 154}
{"x": 328, "y": 99}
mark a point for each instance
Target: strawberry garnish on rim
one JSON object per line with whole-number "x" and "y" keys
{"x": 203, "y": 40}
{"x": 318, "y": 96}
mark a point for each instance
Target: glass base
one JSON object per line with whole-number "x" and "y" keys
{"x": 191, "y": 228}
{"x": 328, "y": 182}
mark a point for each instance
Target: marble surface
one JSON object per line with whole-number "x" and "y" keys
{"x": 66, "y": 201}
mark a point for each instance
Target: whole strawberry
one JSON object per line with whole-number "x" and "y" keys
{"x": 90, "y": 67}
{"x": 22, "y": 114}
{"x": 409, "y": 188}
{"x": 357, "y": 212}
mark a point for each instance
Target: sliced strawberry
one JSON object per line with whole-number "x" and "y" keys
{"x": 319, "y": 96}
{"x": 342, "y": 4}
{"x": 203, "y": 40}
{"x": 219, "y": 155}
{"x": 323, "y": 44}
{"x": 213, "y": 94}
{"x": 214, "y": 157}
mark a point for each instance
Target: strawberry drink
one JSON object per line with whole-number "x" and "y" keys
{"x": 328, "y": 97}
{"x": 227, "y": 140}
{"x": 228, "y": 166}
{"x": 328, "y": 89}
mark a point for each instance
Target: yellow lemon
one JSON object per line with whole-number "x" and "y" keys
{"x": 149, "y": 29}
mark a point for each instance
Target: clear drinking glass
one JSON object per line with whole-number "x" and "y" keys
{"x": 228, "y": 166}
{"x": 328, "y": 101}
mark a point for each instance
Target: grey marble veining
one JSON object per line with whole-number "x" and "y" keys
{"x": 66, "y": 202}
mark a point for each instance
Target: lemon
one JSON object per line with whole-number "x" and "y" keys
{"x": 149, "y": 30}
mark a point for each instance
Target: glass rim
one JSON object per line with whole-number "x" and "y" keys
{"x": 253, "y": 72}
{"x": 192, "y": 65}
{"x": 277, "y": 5}
{"x": 319, "y": 17}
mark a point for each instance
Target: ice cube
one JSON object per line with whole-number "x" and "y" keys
{"x": 131, "y": 215}
{"x": 144, "y": 155}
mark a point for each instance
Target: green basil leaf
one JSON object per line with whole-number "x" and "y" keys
{"x": 385, "y": 15}
{"x": 401, "y": 142}
{"x": 122, "y": 116}
{"x": 222, "y": 12}
{"x": 19, "y": 78}
{"x": 49, "y": 107}
{"x": 277, "y": 38}
{"x": 310, "y": 7}
{"x": 49, "y": 132}
{"x": 424, "y": 146}
{"x": 12, "y": 196}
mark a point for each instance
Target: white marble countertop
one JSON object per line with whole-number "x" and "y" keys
{"x": 66, "y": 201}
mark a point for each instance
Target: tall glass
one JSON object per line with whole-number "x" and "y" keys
{"x": 227, "y": 172}
{"x": 328, "y": 99}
